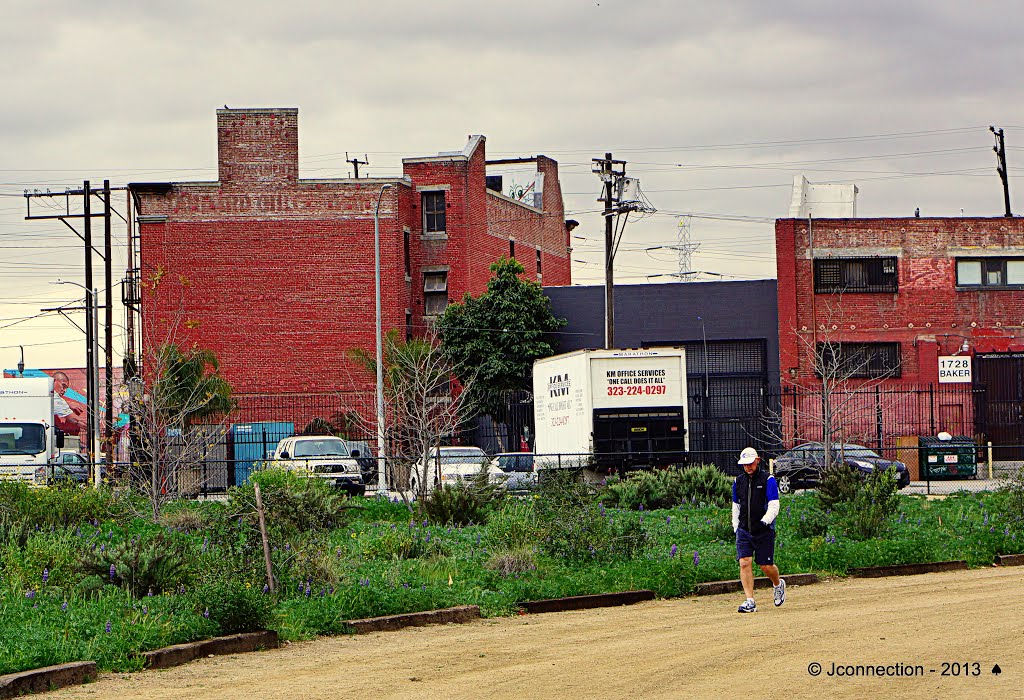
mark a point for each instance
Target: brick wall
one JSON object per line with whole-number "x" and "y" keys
{"x": 275, "y": 274}
{"x": 929, "y": 314}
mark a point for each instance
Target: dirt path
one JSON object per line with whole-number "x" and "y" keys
{"x": 694, "y": 647}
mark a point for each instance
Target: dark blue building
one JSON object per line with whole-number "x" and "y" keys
{"x": 731, "y": 334}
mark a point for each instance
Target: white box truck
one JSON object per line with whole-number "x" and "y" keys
{"x": 613, "y": 408}
{"x": 28, "y": 443}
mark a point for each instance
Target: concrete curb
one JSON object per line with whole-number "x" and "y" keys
{"x": 586, "y": 602}
{"x": 1010, "y": 560}
{"x": 386, "y": 623}
{"x": 233, "y": 644}
{"x": 908, "y": 569}
{"x": 734, "y": 586}
{"x": 41, "y": 680}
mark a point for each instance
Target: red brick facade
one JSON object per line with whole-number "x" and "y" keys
{"x": 929, "y": 315}
{"x": 275, "y": 273}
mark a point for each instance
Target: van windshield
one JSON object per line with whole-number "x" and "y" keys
{"x": 22, "y": 439}
{"x": 326, "y": 447}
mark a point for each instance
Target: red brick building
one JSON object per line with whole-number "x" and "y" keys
{"x": 275, "y": 273}
{"x": 895, "y": 296}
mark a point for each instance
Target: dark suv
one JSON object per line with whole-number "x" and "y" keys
{"x": 800, "y": 468}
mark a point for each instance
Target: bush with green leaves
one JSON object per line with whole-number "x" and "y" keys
{"x": 513, "y": 526}
{"x": 1010, "y": 500}
{"x": 838, "y": 484}
{"x": 235, "y": 606}
{"x": 668, "y": 488}
{"x": 58, "y": 506}
{"x": 144, "y": 565}
{"x": 461, "y": 502}
{"x": 291, "y": 502}
{"x": 871, "y": 511}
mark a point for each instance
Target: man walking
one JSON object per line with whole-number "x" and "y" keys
{"x": 755, "y": 505}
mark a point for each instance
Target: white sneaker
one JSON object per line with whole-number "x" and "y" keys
{"x": 748, "y": 606}
{"x": 780, "y": 592}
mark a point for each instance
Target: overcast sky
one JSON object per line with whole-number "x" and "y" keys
{"x": 716, "y": 106}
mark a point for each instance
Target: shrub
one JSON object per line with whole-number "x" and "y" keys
{"x": 838, "y": 484}
{"x": 235, "y": 606}
{"x": 509, "y": 562}
{"x": 142, "y": 565}
{"x": 58, "y": 506}
{"x": 704, "y": 485}
{"x": 462, "y": 502}
{"x": 184, "y": 519}
{"x": 1010, "y": 500}
{"x": 292, "y": 503}
{"x": 870, "y": 512}
{"x": 514, "y": 526}
{"x": 402, "y": 543}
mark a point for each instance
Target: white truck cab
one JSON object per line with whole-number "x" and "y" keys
{"x": 28, "y": 441}
{"x": 322, "y": 457}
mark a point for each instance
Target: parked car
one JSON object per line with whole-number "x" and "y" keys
{"x": 322, "y": 457}
{"x": 800, "y": 468}
{"x": 520, "y": 468}
{"x": 454, "y": 464}
{"x": 71, "y": 467}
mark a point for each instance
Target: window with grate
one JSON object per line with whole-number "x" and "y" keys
{"x": 858, "y": 360}
{"x": 433, "y": 212}
{"x": 845, "y": 275}
{"x": 406, "y": 254}
{"x": 435, "y": 293}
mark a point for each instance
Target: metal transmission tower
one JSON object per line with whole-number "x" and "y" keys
{"x": 685, "y": 248}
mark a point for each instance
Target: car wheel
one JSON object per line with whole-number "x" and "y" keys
{"x": 784, "y": 485}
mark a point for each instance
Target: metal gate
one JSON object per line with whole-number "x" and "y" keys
{"x": 1002, "y": 410}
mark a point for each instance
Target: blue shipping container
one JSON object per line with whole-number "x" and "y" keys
{"x": 254, "y": 442}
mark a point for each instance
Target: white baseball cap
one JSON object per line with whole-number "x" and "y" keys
{"x": 748, "y": 455}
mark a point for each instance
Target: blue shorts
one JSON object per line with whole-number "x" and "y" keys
{"x": 760, "y": 546}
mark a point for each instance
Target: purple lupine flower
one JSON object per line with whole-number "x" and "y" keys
{"x": 206, "y": 543}
{"x": 308, "y": 589}
{"x": 641, "y": 507}
{"x": 145, "y": 610}
{"x": 113, "y": 572}
{"x": 405, "y": 585}
{"x": 103, "y": 547}
{"x": 323, "y": 592}
{"x": 266, "y": 588}
{"x": 46, "y": 575}
{"x": 30, "y": 594}
{"x": 181, "y": 589}
{"x": 696, "y": 558}
{"x": 287, "y": 547}
{"x": 1007, "y": 530}
{"x": 64, "y": 606}
{"x": 985, "y": 521}
{"x": 672, "y": 552}
{"x": 427, "y": 539}
{"x": 330, "y": 590}
{"x": 206, "y": 613}
{"x": 478, "y": 539}
{"x": 424, "y": 523}
{"x": 107, "y": 627}
{"x": 668, "y": 519}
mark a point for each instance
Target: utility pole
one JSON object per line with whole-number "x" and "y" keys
{"x": 1000, "y": 149}
{"x": 356, "y": 162}
{"x": 90, "y": 315}
{"x": 606, "y": 170}
{"x": 108, "y": 420}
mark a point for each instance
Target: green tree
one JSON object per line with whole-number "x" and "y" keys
{"x": 189, "y": 385}
{"x": 499, "y": 334}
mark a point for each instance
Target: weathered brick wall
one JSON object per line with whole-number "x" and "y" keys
{"x": 929, "y": 314}
{"x": 276, "y": 274}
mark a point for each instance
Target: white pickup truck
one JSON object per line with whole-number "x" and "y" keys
{"x": 321, "y": 457}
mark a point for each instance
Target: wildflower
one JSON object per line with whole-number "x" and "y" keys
{"x": 696, "y": 558}
{"x": 985, "y": 521}
{"x": 1006, "y": 531}
{"x": 46, "y": 575}
{"x": 668, "y": 519}
{"x": 206, "y": 614}
{"x": 478, "y": 539}
{"x": 206, "y": 542}
{"x": 405, "y": 585}
{"x": 641, "y": 507}
{"x": 266, "y": 588}
{"x": 64, "y": 606}
{"x": 424, "y": 523}
{"x": 113, "y": 572}
{"x": 427, "y": 539}
{"x": 103, "y": 547}
{"x": 308, "y": 589}
{"x": 181, "y": 589}
{"x": 145, "y": 610}
{"x": 149, "y": 594}
{"x": 672, "y": 552}
{"x": 30, "y": 594}
{"x": 107, "y": 627}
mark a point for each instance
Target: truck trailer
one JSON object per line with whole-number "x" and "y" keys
{"x": 28, "y": 437}
{"x": 611, "y": 409}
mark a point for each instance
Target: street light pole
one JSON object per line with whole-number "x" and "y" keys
{"x": 382, "y": 481}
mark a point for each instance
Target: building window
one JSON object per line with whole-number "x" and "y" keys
{"x": 851, "y": 360}
{"x": 839, "y": 275}
{"x": 406, "y": 254}
{"x": 539, "y": 271}
{"x": 435, "y": 293}
{"x": 408, "y": 325}
{"x": 511, "y": 248}
{"x": 990, "y": 272}
{"x": 433, "y": 212}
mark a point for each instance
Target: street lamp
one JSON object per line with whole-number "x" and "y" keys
{"x": 382, "y": 481}
{"x": 93, "y": 380}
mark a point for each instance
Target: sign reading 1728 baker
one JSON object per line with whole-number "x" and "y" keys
{"x": 955, "y": 369}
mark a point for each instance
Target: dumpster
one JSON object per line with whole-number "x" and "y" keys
{"x": 952, "y": 458}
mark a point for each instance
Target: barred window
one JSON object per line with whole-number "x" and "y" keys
{"x": 852, "y": 360}
{"x": 433, "y": 212}
{"x": 867, "y": 275}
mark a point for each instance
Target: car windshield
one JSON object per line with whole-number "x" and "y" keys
{"x": 460, "y": 456}
{"x": 22, "y": 438}
{"x": 325, "y": 447}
